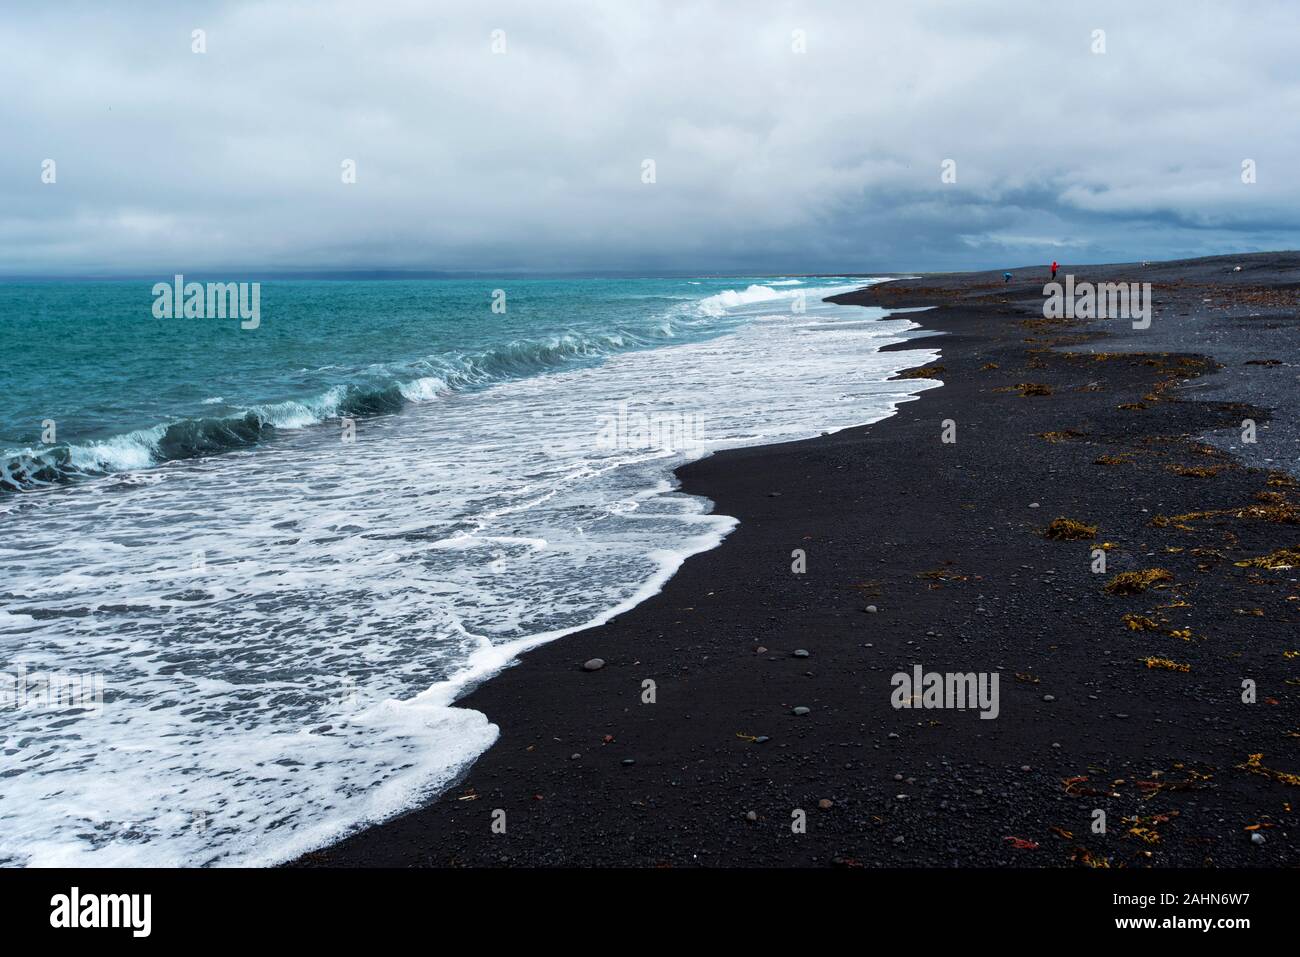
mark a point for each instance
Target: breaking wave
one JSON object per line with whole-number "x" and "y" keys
{"x": 371, "y": 393}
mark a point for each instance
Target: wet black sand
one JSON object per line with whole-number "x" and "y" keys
{"x": 944, "y": 540}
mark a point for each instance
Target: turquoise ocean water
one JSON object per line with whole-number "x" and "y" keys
{"x": 278, "y": 555}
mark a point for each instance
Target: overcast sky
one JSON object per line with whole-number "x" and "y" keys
{"x": 766, "y": 159}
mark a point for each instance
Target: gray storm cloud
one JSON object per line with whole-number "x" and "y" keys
{"x": 767, "y": 157}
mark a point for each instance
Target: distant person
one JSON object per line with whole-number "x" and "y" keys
{"x": 1053, "y": 268}
{"x": 1006, "y": 277}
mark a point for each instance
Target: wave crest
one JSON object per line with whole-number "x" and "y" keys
{"x": 376, "y": 393}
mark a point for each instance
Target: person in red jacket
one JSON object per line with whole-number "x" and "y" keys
{"x": 1053, "y": 268}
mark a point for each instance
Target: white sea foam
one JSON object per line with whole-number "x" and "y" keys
{"x": 283, "y": 633}
{"x": 425, "y": 389}
{"x": 721, "y": 302}
{"x": 135, "y": 450}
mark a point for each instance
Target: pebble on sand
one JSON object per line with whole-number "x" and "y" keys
{"x": 595, "y": 664}
{"x": 801, "y": 711}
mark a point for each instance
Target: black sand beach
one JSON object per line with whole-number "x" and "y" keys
{"x": 1142, "y": 719}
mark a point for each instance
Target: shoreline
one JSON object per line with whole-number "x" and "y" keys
{"x": 942, "y": 540}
